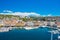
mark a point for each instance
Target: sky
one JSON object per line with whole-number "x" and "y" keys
{"x": 38, "y": 7}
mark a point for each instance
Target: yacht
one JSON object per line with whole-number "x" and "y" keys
{"x": 29, "y": 28}
{"x": 58, "y": 37}
{"x": 4, "y": 29}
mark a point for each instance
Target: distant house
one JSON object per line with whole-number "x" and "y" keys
{"x": 13, "y": 22}
{"x": 37, "y": 23}
{"x": 10, "y": 22}
{"x": 1, "y": 23}
{"x": 7, "y": 23}
{"x": 20, "y": 23}
{"x": 52, "y": 23}
{"x": 58, "y": 24}
{"x": 50, "y": 18}
{"x": 54, "y": 18}
{"x": 58, "y": 19}
{"x": 29, "y": 23}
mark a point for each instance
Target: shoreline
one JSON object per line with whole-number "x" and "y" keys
{"x": 7, "y": 29}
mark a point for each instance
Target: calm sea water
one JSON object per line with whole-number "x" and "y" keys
{"x": 22, "y": 34}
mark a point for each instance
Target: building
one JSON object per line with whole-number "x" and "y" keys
{"x": 29, "y": 23}
{"x": 37, "y": 23}
{"x": 10, "y": 22}
{"x": 1, "y": 23}
{"x": 58, "y": 24}
{"x": 53, "y": 18}
{"x": 20, "y": 23}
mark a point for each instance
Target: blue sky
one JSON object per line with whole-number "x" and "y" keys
{"x": 42, "y": 7}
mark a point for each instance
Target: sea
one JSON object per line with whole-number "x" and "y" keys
{"x": 33, "y": 34}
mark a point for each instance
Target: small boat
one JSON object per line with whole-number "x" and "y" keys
{"x": 54, "y": 31}
{"x": 10, "y": 28}
{"x": 58, "y": 37}
{"x": 29, "y": 28}
{"x": 4, "y": 29}
{"x": 58, "y": 29}
{"x": 44, "y": 26}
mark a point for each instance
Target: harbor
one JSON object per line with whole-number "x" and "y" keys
{"x": 25, "y": 34}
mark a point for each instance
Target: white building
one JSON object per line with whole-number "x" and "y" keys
{"x": 29, "y": 23}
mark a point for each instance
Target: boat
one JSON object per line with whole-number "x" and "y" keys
{"x": 58, "y": 37}
{"x": 29, "y": 28}
{"x": 4, "y": 29}
{"x": 44, "y": 26}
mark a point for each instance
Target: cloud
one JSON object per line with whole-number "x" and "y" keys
{"x": 22, "y": 14}
{"x": 46, "y": 15}
{"x": 8, "y": 11}
{"x": 49, "y": 15}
